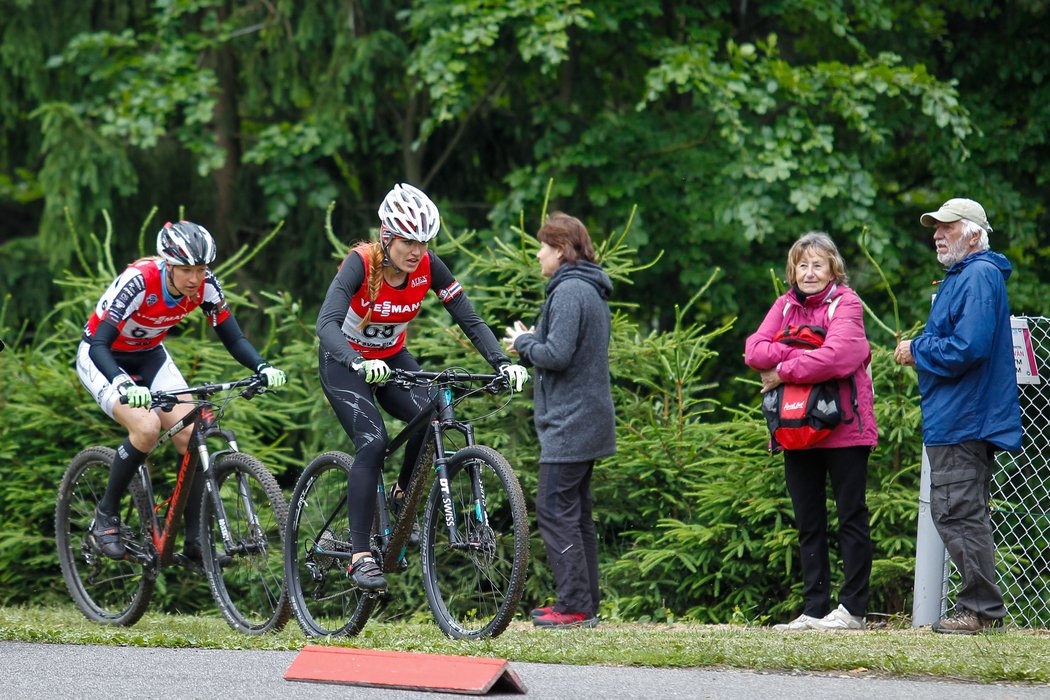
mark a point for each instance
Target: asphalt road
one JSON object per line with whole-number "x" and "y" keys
{"x": 69, "y": 671}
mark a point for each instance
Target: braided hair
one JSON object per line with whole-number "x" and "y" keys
{"x": 374, "y": 280}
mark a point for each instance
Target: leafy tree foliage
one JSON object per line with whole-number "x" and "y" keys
{"x": 685, "y": 493}
{"x": 731, "y": 127}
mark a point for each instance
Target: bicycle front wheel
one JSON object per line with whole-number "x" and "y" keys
{"x": 246, "y": 580}
{"x": 324, "y": 599}
{"x": 112, "y": 592}
{"x": 474, "y": 578}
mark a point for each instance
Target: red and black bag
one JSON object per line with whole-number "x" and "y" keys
{"x": 801, "y": 415}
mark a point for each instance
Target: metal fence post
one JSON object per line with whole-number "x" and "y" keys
{"x": 929, "y": 558}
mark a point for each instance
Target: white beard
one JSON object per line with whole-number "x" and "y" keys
{"x": 956, "y": 252}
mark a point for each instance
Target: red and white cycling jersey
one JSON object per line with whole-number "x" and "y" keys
{"x": 136, "y": 304}
{"x": 394, "y": 308}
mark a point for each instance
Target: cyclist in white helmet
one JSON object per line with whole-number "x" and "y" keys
{"x": 122, "y": 340}
{"x": 376, "y": 293}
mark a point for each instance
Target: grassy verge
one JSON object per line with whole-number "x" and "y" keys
{"x": 1012, "y": 656}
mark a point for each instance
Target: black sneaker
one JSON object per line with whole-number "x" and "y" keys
{"x": 367, "y": 575}
{"x": 395, "y": 503}
{"x": 105, "y": 535}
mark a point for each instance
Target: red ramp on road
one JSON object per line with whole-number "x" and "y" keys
{"x": 409, "y": 671}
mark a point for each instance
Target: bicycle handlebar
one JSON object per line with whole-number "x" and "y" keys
{"x": 253, "y": 386}
{"x": 493, "y": 383}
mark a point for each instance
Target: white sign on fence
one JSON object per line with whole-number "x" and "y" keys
{"x": 1024, "y": 356}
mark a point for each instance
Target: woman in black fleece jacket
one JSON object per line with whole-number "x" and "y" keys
{"x": 573, "y": 412}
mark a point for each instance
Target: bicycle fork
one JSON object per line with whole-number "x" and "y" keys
{"x": 255, "y": 543}
{"x": 478, "y": 520}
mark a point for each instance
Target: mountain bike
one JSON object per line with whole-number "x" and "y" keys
{"x": 475, "y": 535}
{"x": 243, "y": 514}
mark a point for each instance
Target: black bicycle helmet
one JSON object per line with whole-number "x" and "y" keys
{"x": 185, "y": 243}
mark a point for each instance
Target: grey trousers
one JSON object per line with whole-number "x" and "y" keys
{"x": 961, "y": 478}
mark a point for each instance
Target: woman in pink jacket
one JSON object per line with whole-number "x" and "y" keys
{"x": 818, "y": 296}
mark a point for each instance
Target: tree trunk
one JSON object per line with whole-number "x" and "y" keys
{"x": 227, "y": 124}
{"x": 412, "y": 158}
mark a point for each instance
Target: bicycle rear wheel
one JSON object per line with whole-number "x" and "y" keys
{"x": 107, "y": 591}
{"x": 247, "y": 581}
{"x": 474, "y": 582}
{"x": 324, "y": 599}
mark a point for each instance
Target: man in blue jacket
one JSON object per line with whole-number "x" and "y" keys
{"x": 970, "y": 409}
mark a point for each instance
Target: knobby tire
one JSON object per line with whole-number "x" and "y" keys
{"x": 324, "y": 599}
{"x": 105, "y": 590}
{"x": 473, "y": 593}
{"x": 249, "y": 590}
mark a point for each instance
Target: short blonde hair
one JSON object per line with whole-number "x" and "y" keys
{"x": 820, "y": 243}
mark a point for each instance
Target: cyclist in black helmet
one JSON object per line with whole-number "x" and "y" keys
{"x": 122, "y": 339}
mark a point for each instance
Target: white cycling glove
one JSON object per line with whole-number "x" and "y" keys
{"x": 374, "y": 371}
{"x": 275, "y": 378}
{"x": 516, "y": 376}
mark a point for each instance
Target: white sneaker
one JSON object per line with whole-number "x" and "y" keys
{"x": 802, "y": 622}
{"x": 840, "y": 619}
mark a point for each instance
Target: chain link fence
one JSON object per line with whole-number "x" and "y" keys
{"x": 1020, "y": 493}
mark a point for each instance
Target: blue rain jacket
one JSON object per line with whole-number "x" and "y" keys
{"x": 967, "y": 377}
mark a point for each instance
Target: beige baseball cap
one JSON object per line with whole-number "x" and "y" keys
{"x": 955, "y": 209}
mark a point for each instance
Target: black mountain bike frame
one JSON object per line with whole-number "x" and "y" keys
{"x": 439, "y": 416}
{"x": 204, "y": 422}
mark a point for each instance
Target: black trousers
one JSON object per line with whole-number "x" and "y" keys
{"x": 807, "y": 473}
{"x": 354, "y": 402}
{"x": 564, "y": 516}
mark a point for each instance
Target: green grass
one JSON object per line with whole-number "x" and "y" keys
{"x": 1011, "y": 656}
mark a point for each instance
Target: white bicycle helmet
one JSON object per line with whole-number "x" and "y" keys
{"x": 185, "y": 243}
{"x": 408, "y": 213}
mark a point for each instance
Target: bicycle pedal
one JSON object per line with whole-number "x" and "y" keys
{"x": 382, "y": 598}
{"x": 185, "y": 562}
